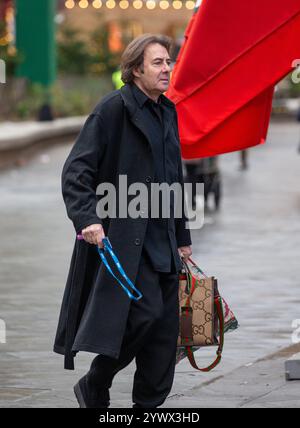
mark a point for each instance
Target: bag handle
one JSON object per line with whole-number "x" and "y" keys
{"x": 190, "y": 355}
{"x": 188, "y": 275}
{"x": 191, "y": 282}
{"x": 194, "y": 264}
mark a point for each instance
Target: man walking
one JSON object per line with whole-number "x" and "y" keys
{"x": 132, "y": 132}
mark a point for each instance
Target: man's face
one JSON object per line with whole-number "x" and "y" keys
{"x": 156, "y": 69}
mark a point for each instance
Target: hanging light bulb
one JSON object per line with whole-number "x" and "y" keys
{"x": 83, "y": 4}
{"x": 177, "y": 4}
{"x": 69, "y": 4}
{"x": 190, "y": 5}
{"x": 150, "y": 4}
{"x": 138, "y": 4}
{"x": 97, "y": 4}
{"x": 110, "y": 4}
{"x": 164, "y": 4}
{"x": 124, "y": 4}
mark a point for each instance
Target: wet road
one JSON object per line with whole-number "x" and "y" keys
{"x": 251, "y": 245}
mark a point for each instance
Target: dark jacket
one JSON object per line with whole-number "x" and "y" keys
{"x": 113, "y": 141}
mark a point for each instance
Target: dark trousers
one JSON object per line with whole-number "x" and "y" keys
{"x": 151, "y": 338}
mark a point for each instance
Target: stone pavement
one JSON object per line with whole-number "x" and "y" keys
{"x": 21, "y": 140}
{"x": 261, "y": 384}
{"x": 20, "y": 134}
{"x": 251, "y": 245}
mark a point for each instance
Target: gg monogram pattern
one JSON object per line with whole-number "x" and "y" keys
{"x": 206, "y": 316}
{"x": 201, "y": 301}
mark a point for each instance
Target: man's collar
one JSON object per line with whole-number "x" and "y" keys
{"x": 139, "y": 95}
{"x": 142, "y": 98}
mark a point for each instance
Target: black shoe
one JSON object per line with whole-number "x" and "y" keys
{"x": 91, "y": 399}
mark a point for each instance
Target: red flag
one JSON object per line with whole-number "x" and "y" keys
{"x": 224, "y": 77}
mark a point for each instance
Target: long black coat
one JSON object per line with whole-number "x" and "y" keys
{"x": 113, "y": 141}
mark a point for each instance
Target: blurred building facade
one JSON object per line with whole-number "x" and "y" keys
{"x": 7, "y": 28}
{"x": 127, "y": 19}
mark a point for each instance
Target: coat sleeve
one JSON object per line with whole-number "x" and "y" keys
{"x": 79, "y": 176}
{"x": 183, "y": 235}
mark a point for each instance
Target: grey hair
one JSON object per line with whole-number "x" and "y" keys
{"x": 133, "y": 56}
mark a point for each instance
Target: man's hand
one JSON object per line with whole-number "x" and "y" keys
{"x": 94, "y": 234}
{"x": 185, "y": 252}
